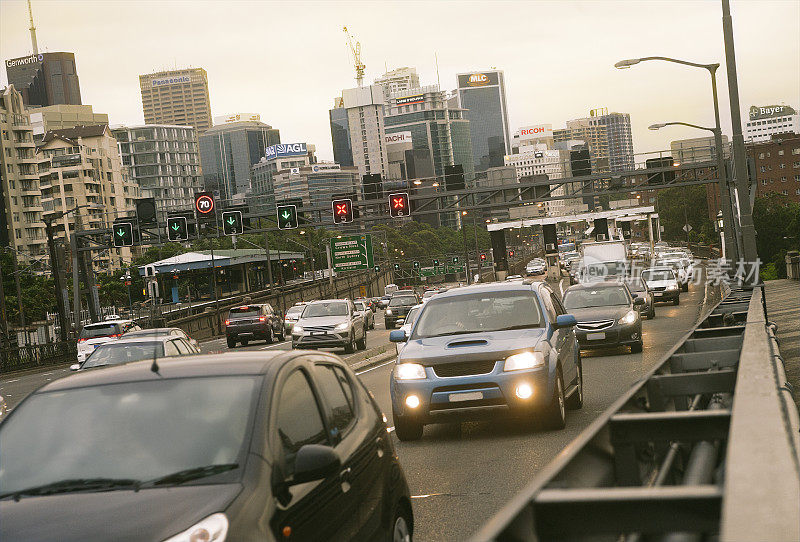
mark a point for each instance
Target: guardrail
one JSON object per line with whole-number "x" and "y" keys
{"x": 37, "y": 355}
{"x": 705, "y": 445}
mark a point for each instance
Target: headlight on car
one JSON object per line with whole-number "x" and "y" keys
{"x": 629, "y": 318}
{"x": 388, "y": 312}
{"x": 672, "y": 287}
{"x": 344, "y": 326}
{"x": 297, "y": 330}
{"x": 214, "y": 528}
{"x": 524, "y": 360}
{"x": 409, "y": 371}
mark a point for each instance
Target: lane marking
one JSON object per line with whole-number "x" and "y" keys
{"x": 272, "y": 346}
{"x": 10, "y": 381}
{"x": 373, "y": 368}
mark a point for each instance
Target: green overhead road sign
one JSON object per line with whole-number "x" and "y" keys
{"x": 123, "y": 234}
{"x": 351, "y": 252}
{"x": 232, "y": 223}
{"x": 287, "y": 217}
{"x": 177, "y": 228}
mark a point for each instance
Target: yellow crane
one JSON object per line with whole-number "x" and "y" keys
{"x": 356, "y": 50}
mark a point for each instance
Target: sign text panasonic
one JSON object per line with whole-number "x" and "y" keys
{"x": 285, "y": 149}
{"x": 24, "y": 60}
{"x": 161, "y": 81}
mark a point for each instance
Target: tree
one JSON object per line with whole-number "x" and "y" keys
{"x": 777, "y": 223}
{"x": 38, "y": 291}
{"x": 676, "y": 206}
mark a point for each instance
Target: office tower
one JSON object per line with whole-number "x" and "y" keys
{"x": 164, "y": 161}
{"x": 483, "y": 96}
{"x": 277, "y": 159}
{"x": 45, "y": 78}
{"x": 177, "y": 97}
{"x": 397, "y": 81}
{"x": 21, "y": 226}
{"x": 358, "y": 130}
{"x": 608, "y": 136}
{"x": 229, "y": 150}
{"x": 316, "y": 185}
{"x": 765, "y": 121}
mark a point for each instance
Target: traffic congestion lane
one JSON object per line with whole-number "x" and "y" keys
{"x": 461, "y": 474}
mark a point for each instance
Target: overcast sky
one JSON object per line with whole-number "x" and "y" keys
{"x": 288, "y": 60}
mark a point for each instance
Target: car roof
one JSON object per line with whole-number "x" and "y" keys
{"x": 235, "y": 363}
{"x": 489, "y": 287}
{"x": 106, "y": 323}
{"x": 318, "y": 301}
{"x": 594, "y": 285}
{"x": 127, "y": 339}
{"x": 152, "y": 331}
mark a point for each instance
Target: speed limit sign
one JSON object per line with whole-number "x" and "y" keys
{"x": 204, "y": 204}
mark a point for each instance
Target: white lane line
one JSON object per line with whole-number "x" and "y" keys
{"x": 10, "y": 381}
{"x": 271, "y": 346}
{"x": 373, "y": 368}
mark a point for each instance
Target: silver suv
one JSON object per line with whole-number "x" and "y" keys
{"x": 330, "y": 323}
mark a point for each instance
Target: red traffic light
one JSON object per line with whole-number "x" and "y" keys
{"x": 510, "y": 253}
{"x": 483, "y": 257}
{"x": 342, "y": 211}
{"x": 398, "y": 205}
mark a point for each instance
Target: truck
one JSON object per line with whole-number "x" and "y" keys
{"x": 389, "y": 289}
{"x": 600, "y": 259}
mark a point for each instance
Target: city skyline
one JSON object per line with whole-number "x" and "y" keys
{"x": 545, "y": 84}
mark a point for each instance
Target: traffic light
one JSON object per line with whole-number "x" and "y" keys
{"x": 455, "y": 260}
{"x": 342, "y": 211}
{"x": 377, "y": 268}
{"x": 146, "y": 210}
{"x": 177, "y": 228}
{"x": 232, "y": 222}
{"x": 416, "y": 265}
{"x": 510, "y": 253}
{"x": 204, "y": 205}
{"x": 398, "y": 205}
{"x": 123, "y": 234}
{"x": 287, "y": 217}
{"x": 483, "y": 256}
{"x": 436, "y": 263}
{"x": 397, "y": 267}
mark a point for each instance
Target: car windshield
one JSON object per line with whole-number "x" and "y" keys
{"x": 359, "y": 306}
{"x": 652, "y": 275}
{"x": 140, "y": 431}
{"x": 479, "y": 312}
{"x": 241, "y": 312}
{"x": 115, "y": 353}
{"x": 403, "y": 301}
{"x": 294, "y": 311}
{"x": 320, "y": 310}
{"x": 99, "y": 330}
{"x": 595, "y": 297}
{"x": 635, "y": 285}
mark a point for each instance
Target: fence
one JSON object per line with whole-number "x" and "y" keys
{"x": 37, "y": 355}
{"x": 704, "y": 446}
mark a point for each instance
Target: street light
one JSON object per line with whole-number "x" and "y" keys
{"x": 725, "y": 195}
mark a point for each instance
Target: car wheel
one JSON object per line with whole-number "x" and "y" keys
{"x": 575, "y": 401}
{"x": 636, "y": 348}
{"x": 350, "y": 347}
{"x": 231, "y": 343}
{"x": 652, "y": 313}
{"x": 282, "y": 336}
{"x": 244, "y": 342}
{"x": 685, "y": 287}
{"x": 407, "y": 430}
{"x": 402, "y": 526}
{"x": 362, "y": 344}
{"x": 555, "y": 416}
{"x": 388, "y": 325}
{"x": 676, "y": 301}
{"x": 270, "y": 335}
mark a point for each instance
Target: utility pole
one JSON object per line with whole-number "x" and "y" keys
{"x": 269, "y": 260}
{"x": 3, "y": 317}
{"x": 19, "y": 289}
{"x": 750, "y": 254}
{"x": 56, "y": 267}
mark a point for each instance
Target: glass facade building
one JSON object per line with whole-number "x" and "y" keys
{"x": 229, "y": 151}
{"x": 340, "y": 136}
{"x": 45, "y": 79}
{"x": 483, "y": 97}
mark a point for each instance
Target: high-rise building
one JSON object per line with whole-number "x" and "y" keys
{"x": 358, "y": 131}
{"x": 229, "y": 150}
{"x": 164, "y": 161}
{"x": 58, "y": 117}
{"x": 538, "y": 159}
{"x": 45, "y": 78}
{"x": 532, "y": 135}
{"x": 21, "y": 226}
{"x": 277, "y": 159}
{"x": 178, "y": 97}
{"x": 316, "y": 184}
{"x": 769, "y": 120}
{"x": 483, "y": 96}
{"x": 608, "y": 135}
{"x": 397, "y": 81}
{"x": 84, "y": 168}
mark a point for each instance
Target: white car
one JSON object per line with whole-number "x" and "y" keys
{"x": 663, "y": 283}
{"x": 536, "y": 266}
{"x": 93, "y": 335}
{"x": 408, "y": 323}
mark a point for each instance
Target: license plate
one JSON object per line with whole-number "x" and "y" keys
{"x": 469, "y": 396}
{"x": 595, "y": 336}
{"x": 318, "y": 333}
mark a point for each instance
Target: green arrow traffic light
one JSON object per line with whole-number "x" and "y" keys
{"x": 287, "y": 217}
{"x": 123, "y": 234}
{"x": 177, "y": 228}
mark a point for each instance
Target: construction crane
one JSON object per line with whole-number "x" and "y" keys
{"x": 356, "y": 50}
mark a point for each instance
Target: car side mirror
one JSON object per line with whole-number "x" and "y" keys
{"x": 398, "y": 336}
{"x": 74, "y": 366}
{"x": 314, "y": 462}
{"x": 565, "y": 320}
{"x": 638, "y": 302}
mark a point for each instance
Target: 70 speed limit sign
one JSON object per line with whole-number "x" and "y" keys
{"x": 204, "y": 204}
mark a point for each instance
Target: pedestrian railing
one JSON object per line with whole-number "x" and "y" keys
{"x": 37, "y": 355}
{"x": 704, "y": 446}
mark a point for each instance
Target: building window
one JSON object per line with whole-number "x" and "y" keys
{"x": 783, "y": 179}
{"x": 780, "y": 152}
{"x": 764, "y": 182}
{"x": 796, "y": 150}
{"x": 763, "y": 169}
{"x": 761, "y": 155}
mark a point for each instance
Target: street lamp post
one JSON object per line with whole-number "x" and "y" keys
{"x": 724, "y": 189}
{"x": 725, "y": 203}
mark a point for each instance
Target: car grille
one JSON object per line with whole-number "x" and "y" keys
{"x": 658, "y": 288}
{"x": 594, "y": 326}
{"x": 465, "y": 368}
{"x": 318, "y": 328}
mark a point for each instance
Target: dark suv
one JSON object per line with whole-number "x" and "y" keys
{"x": 398, "y": 308}
{"x": 250, "y": 322}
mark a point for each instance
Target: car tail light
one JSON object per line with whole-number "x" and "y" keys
{"x": 81, "y": 340}
{"x": 227, "y": 322}
{"x": 262, "y": 318}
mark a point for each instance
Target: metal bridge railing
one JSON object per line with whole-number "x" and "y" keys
{"x": 704, "y": 446}
{"x": 37, "y": 355}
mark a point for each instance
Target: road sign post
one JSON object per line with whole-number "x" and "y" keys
{"x": 351, "y": 252}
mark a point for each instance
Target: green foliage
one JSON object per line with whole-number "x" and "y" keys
{"x": 677, "y": 205}
{"x": 777, "y": 222}
{"x": 38, "y": 292}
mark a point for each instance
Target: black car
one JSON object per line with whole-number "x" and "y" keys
{"x": 265, "y": 446}
{"x": 249, "y": 322}
{"x": 607, "y": 314}
{"x": 398, "y": 308}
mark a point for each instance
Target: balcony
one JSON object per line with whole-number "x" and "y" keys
{"x": 66, "y": 160}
